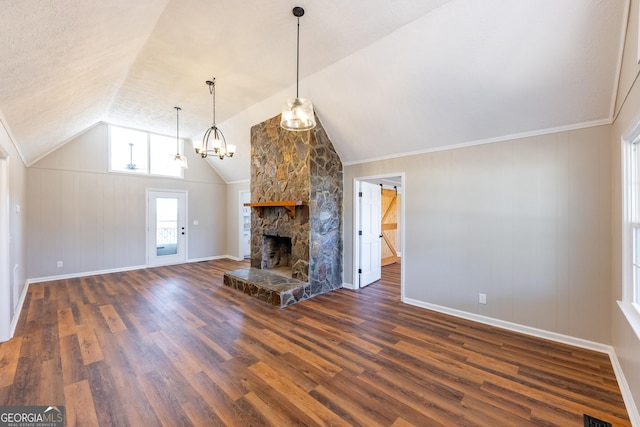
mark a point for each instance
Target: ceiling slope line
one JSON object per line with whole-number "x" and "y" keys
{"x": 585, "y": 125}
{"x": 135, "y": 58}
{"x": 283, "y": 94}
{"x": 66, "y": 141}
{"x": 624, "y": 101}
{"x": 240, "y": 181}
{"x": 616, "y": 83}
{"x": 7, "y": 129}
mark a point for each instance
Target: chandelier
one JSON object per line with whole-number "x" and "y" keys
{"x": 213, "y": 141}
{"x": 297, "y": 113}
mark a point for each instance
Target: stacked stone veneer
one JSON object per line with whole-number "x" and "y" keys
{"x": 301, "y": 166}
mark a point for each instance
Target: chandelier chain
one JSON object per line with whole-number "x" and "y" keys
{"x": 213, "y": 141}
{"x": 212, "y": 91}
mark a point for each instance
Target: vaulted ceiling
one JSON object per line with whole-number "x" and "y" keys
{"x": 386, "y": 77}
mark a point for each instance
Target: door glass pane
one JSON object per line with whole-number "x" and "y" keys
{"x": 166, "y": 226}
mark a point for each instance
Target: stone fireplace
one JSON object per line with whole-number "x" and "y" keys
{"x": 296, "y": 218}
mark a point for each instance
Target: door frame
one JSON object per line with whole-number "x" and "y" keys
{"x": 148, "y": 192}
{"x": 241, "y": 224}
{"x": 356, "y": 226}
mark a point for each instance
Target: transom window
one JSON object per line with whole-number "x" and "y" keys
{"x": 142, "y": 153}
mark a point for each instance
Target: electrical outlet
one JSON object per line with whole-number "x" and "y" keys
{"x": 482, "y": 298}
{"x": 59, "y": 264}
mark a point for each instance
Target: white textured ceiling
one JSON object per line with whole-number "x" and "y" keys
{"x": 386, "y": 76}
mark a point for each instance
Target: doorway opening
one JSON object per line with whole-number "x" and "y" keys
{"x": 245, "y": 226}
{"x": 378, "y": 237}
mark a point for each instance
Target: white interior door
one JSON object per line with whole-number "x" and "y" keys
{"x": 369, "y": 197}
{"x": 166, "y": 227}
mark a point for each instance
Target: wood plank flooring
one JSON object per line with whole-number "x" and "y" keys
{"x": 173, "y": 346}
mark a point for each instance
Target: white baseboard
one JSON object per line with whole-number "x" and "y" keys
{"x": 630, "y": 404}
{"x": 349, "y": 286}
{"x": 84, "y": 274}
{"x": 212, "y": 258}
{"x": 231, "y": 257}
{"x": 540, "y": 333}
{"x": 18, "y": 310}
{"x": 625, "y": 391}
{"x": 119, "y": 270}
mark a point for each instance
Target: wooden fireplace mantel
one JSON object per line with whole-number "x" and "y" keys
{"x": 289, "y": 205}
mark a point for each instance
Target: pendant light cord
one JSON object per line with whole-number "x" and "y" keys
{"x": 212, "y": 91}
{"x": 178, "y": 129}
{"x": 298, "y": 58}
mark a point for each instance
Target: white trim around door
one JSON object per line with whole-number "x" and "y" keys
{"x": 167, "y": 233}
{"x": 357, "y": 226}
{"x": 244, "y": 226}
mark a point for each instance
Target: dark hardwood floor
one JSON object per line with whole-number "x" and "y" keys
{"x": 172, "y": 346}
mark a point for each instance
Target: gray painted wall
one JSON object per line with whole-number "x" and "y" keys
{"x": 93, "y": 220}
{"x": 17, "y": 228}
{"x": 527, "y": 222}
{"x": 625, "y": 341}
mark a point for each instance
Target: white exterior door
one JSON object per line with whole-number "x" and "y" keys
{"x": 370, "y": 233}
{"x": 166, "y": 227}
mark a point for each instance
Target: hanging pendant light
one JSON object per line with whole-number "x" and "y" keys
{"x": 213, "y": 141}
{"x": 179, "y": 160}
{"x": 297, "y": 113}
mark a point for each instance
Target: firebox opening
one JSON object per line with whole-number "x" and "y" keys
{"x": 276, "y": 254}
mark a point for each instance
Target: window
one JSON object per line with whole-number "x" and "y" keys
{"x": 630, "y": 303}
{"x": 161, "y": 152}
{"x": 634, "y": 219}
{"x": 142, "y": 153}
{"x": 128, "y": 151}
